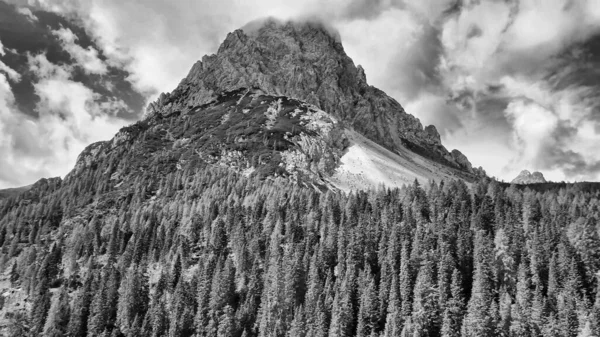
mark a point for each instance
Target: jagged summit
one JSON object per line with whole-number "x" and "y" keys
{"x": 526, "y": 177}
{"x": 253, "y": 28}
{"x": 305, "y": 61}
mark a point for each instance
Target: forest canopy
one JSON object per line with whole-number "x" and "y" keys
{"x": 209, "y": 252}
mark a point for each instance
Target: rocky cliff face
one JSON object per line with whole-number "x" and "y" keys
{"x": 305, "y": 61}
{"x": 526, "y": 177}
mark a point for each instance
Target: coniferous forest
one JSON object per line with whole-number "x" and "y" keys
{"x": 209, "y": 252}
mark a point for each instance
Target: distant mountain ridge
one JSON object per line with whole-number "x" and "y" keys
{"x": 526, "y": 177}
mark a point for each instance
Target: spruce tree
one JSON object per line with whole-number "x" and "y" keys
{"x": 405, "y": 280}
{"x": 454, "y": 310}
{"x": 40, "y": 306}
{"x": 58, "y": 315}
{"x": 478, "y": 320}
{"x": 425, "y": 312}
{"x": 77, "y": 326}
{"x": 521, "y": 311}
{"x": 368, "y": 313}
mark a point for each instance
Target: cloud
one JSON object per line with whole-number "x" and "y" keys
{"x": 70, "y": 117}
{"x": 87, "y": 58}
{"x": 12, "y": 74}
{"x": 503, "y": 63}
{"x": 27, "y": 12}
{"x": 42, "y": 68}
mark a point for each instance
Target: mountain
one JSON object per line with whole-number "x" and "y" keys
{"x": 526, "y": 177}
{"x": 306, "y": 62}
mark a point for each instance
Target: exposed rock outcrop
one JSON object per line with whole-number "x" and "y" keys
{"x": 461, "y": 159}
{"x": 526, "y": 177}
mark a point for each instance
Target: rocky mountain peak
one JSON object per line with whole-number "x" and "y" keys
{"x": 304, "y": 61}
{"x": 526, "y": 177}
{"x": 433, "y": 134}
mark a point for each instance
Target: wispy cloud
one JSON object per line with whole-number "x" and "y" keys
{"x": 87, "y": 58}
{"x": 27, "y": 12}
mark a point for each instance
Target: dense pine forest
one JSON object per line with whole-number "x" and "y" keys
{"x": 209, "y": 252}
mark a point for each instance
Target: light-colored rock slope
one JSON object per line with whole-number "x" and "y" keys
{"x": 366, "y": 164}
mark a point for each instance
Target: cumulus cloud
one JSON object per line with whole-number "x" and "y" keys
{"x": 11, "y": 73}
{"x": 501, "y": 64}
{"x": 491, "y": 75}
{"x": 27, "y": 12}
{"x": 87, "y": 58}
{"x": 70, "y": 117}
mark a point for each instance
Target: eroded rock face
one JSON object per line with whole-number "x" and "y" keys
{"x": 462, "y": 160}
{"x": 526, "y": 177}
{"x": 433, "y": 136}
{"x": 304, "y": 61}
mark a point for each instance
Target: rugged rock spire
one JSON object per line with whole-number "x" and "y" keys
{"x": 305, "y": 61}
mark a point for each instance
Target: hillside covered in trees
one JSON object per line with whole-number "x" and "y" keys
{"x": 209, "y": 252}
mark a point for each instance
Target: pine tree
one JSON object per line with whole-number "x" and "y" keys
{"x": 77, "y": 326}
{"x": 478, "y": 321}
{"x": 133, "y": 298}
{"x": 521, "y": 311}
{"x": 342, "y": 320}
{"x": 425, "y": 313}
{"x": 181, "y": 316}
{"x": 567, "y": 304}
{"x": 368, "y": 313}
{"x": 103, "y": 306}
{"x": 298, "y": 325}
{"x": 159, "y": 321}
{"x": 40, "y": 306}
{"x": 393, "y": 321}
{"x": 453, "y": 313}
{"x": 405, "y": 279}
{"x": 226, "y": 323}
{"x": 58, "y": 315}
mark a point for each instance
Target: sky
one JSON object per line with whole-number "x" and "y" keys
{"x": 513, "y": 84}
